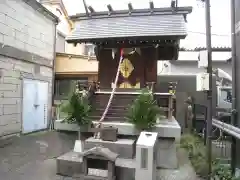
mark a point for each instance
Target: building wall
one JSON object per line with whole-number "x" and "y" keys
{"x": 179, "y": 67}
{"x": 60, "y": 43}
{"x": 78, "y": 49}
{"x": 27, "y": 46}
{"x": 63, "y": 26}
{"x": 24, "y": 28}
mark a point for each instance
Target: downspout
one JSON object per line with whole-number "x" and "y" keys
{"x": 53, "y": 73}
{"x": 234, "y": 115}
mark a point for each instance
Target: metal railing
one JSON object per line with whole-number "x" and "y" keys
{"x": 221, "y": 133}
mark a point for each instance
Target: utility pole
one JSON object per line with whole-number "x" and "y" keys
{"x": 234, "y": 82}
{"x": 209, "y": 93}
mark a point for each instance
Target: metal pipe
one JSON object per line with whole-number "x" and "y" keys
{"x": 234, "y": 82}
{"x": 209, "y": 93}
{"x": 53, "y": 74}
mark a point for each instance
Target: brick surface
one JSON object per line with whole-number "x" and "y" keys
{"x": 9, "y": 100}
{"x": 9, "y": 119}
{"x": 10, "y": 128}
{"x": 20, "y": 22}
{"x": 11, "y": 109}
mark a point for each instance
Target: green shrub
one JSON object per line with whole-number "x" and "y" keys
{"x": 77, "y": 110}
{"x": 197, "y": 155}
{"x": 144, "y": 111}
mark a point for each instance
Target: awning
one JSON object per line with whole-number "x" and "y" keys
{"x": 129, "y": 27}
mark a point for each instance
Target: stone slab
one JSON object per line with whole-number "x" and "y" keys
{"x": 125, "y": 173}
{"x": 167, "y": 153}
{"x": 165, "y": 128}
{"x": 69, "y": 164}
{"x": 125, "y": 148}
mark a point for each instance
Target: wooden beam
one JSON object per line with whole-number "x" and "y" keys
{"x": 85, "y": 7}
{"x": 151, "y": 4}
{"x": 173, "y": 4}
{"x": 91, "y": 9}
{"x": 110, "y": 9}
{"x": 130, "y": 7}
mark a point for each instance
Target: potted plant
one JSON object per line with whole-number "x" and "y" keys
{"x": 144, "y": 111}
{"x": 77, "y": 110}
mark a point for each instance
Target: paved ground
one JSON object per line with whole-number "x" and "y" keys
{"x": 32, "y": 157}
{"x": 184, "y": 172}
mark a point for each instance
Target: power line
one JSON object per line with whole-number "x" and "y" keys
{"x": 223, "y": 35}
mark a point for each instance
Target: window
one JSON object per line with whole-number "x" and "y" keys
{"x": 89, "y": 50}
{"x": 144, "y": 158}
{"x": 226, "y": 95}
{"x": 65, "y": 86}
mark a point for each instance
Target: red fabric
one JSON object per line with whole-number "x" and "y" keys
{"x": 121, "y": 52}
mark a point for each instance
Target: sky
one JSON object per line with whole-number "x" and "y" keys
{"x": 220, "y": 17}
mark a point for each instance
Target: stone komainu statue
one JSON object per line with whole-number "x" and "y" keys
{"x": 189, "y": 114}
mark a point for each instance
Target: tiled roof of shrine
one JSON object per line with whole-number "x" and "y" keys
{"x": 124, "y": 24}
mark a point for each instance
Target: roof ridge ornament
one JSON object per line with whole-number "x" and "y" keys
{"x": 110, "y": 9}
{"x": 151, "y": 4}
{"x": 130, "y": 8}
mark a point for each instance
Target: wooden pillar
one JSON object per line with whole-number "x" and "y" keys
{"x": 150, "y": 70}
{"x": 170, "y": 106}
{"x": 106, "y": 68}
{"x": 85, "y": 166}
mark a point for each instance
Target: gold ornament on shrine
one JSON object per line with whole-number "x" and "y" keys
{"x": 126, "y": 68}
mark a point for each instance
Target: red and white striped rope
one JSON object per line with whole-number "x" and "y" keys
{"x": 113, "y": 89}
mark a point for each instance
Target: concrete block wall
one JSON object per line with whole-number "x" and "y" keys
{"x": 23, "y": 27}
{"x": 12, "y": 73}
{"x": 26, "y": 44}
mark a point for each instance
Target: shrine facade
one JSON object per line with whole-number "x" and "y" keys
{"x": 145, "y": 35}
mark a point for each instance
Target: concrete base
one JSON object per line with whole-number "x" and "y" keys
{"x": 166, "y": 128}
{"x": 69, "y": 164}
{"x": 167, "y": 153}
{"x": 78, "y": 146}
{"x": 124, "y": 147}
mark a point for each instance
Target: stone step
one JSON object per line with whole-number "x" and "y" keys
{"x": 121, "y": 90}
{"x": 125, "y": 148}
{"x": 108, "y": 119}
{"x": 110, "y": 114}
{"x": 112, "y": 106}
{"x": 115, "y": 102}
{"x": 104, "y": 104}
{"x": 124, "y": 96}
{"x": 112, "y": 109}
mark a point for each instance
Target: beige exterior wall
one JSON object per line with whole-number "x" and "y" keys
{"x": 75, "y": 64}
{"x": 78, "y": 49}
{"x": 65, "y": 27}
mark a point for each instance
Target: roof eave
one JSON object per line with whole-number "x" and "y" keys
{"x": 146, "y": 38}
{"x": 135, "y": 12}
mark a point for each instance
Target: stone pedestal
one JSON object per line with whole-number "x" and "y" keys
{"x": 125, "y": 148}
{"x": 69, "y": 164}
{"x": 167, "y": 153}
{"x": 165, "y": 128}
